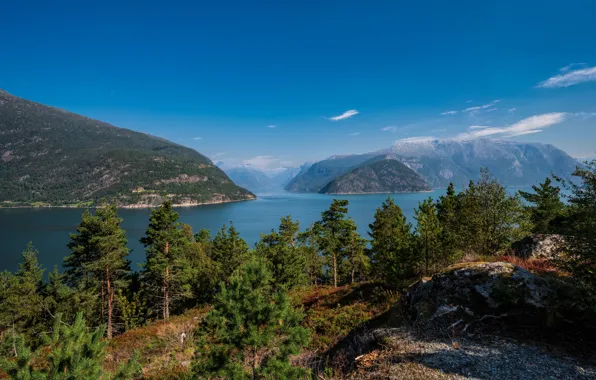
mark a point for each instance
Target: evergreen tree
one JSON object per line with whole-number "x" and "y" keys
{"x": 490, "y": 218}
{"x": 21, "y": 299}
{"x": 286, "y": 260}
{"x": 228, "y": 250}
{"x": 448, "y": 210}
{"x": 547, "y": 207}
{"x": 98, "y": 261}
{"x": 307, "y": 245}
{"x": 333, "y": 234}
{"x": 251, "y": 331}
{"x": 72, "y": 353}
{"x": 581, "y": 226}
{"x": 390, "y": 252}
{"x": 358, "y": 261}
{"x": 428, "y": 234}
{"x": 165, "y": 277}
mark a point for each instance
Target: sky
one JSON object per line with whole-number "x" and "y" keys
{"x": 277, "y": 83}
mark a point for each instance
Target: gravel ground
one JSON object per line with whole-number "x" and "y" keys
{"x": 405, "y": 356}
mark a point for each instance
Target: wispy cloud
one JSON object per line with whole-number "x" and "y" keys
{"x": 389, "y": 128}
{"x": 354, "y": 134}
{"x": 532, "y": 124}
{"x": 449, "y": 113}
{"x": 271, "y": 126}
{"x": 262, "y": 162}
{"x": 416, "y": 139}
{"x": 570, "y": 66}
{"x": 570, "y": 78}
{"x": 477, "y": 108}
{"x": 345, "y": 115}
{"x": 511, "y": 109}
{"x": 197, "y": 138}
{"x": 219, "y": 154}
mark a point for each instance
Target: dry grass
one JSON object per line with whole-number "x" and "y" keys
{"x": 538, "y": 266}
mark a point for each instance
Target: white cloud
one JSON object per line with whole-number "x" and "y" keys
{"x": 478, "y": 127}
{"x": 218, "y": 154}
{"x": 570, "y": 78}
{"x": 532, "y": 124}
{"x": 416, "y": 139}
{"x": 197, "y": 138}
{"x": 477, "y": 108}
{"x": 389, "y": 128}
{"x": 345, "y": 115}
{"x": 511, "y": 109}
{"x": 271, "y": 126}
{"x": 261, "y": 162}
{"x": 449, "y": 113}
{"x": 354, "y": 134}
{"x": 564, "y": 69}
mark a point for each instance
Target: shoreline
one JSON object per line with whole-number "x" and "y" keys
{"x": 135, "y": 206}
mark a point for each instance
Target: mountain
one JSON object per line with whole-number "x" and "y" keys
{"x": 313, "y": 178}
{"x": 440, "y": 162}
{"x": 379, "y": 175}
{"x": 512, "y": 163}
{"x": 259, "y": 181}
{"x": 53, "y": 157}
{"x": 251, "y": 179}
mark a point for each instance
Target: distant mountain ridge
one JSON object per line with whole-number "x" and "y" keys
{"x": 49, "y": 156}
{"x": 378, "y": 175}
{"x": 440, "y": 162}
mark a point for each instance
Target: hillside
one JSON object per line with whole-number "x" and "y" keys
{"x": 440, "y": 162}
{"x": 53, "y": 157}
{"x": 319, "y": 174}
{"x": 377, "y": 176}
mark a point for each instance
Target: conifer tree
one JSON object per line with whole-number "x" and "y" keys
{"x": 333, "y": 234}
{"x": 580, "y": 238}
{"x": 428, "y": 234}
{"x": 251, "y": 331}
{"x": 98, "y": 261}
{"x": 358, "y": 261}
{"x": 307, "y": 245}
{"x": 165, "y": 277}
{"x": 546, "y": 207}
{"x": 490, "y": 218}
{"x": 286, "y": 260}
{"x": 228, "y": 250}
{"x": 391, "y": 244}
{"x": 448, "y": 210}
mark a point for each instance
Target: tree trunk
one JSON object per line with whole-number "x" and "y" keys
{"x": 103, "y": 302}
{"x": 353, "y": 270}
{"x": 110, "y": 295}
{"x": 334, "y": 270}
{"x": 166, "y": 284}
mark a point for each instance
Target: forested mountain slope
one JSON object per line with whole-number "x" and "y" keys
{"x": 53, "y": 157}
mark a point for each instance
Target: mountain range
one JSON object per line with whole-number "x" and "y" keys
{"x": 440, "y": 162}
{"x": 49, "y": 156}
{"x": 259, "y": 180}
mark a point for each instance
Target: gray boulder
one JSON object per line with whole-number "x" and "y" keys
{"x": 539, "y": 246}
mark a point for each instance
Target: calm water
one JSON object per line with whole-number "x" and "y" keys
{"x": 49, "y": 229}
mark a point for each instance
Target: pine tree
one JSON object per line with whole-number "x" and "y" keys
{"x": 251, "y": 331}
{"x": 358, "y": 261}
{"x": 74, "y": 353}
{"x": 333, "y": 234}
{"x": 307, "y": 245}
{"x": 428, "y": 234}
{"x": 580, "y": 235}
{"x": 98, "y": 260}
{"x": 228, "y": 250}
{"x": 490, "y": 218}
{"x": 391, "y": 244}
{"x": 448, "y": 210}
{"x": 164, "y": 277}
{"x": 21, "y": 298}
{"x": 286, "y": 260}
{"x": 546, "y": 207}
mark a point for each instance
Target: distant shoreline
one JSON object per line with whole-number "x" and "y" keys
{"x": 382, "y": 192}
{"x": 135, "y": 206}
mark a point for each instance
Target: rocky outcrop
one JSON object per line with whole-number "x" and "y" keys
{"x": 539, "y": 246}
{"x": 469, "y": 294}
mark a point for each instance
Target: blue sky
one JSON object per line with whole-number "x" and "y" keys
{"x": 263, "y": 81}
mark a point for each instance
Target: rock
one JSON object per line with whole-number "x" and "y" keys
{"x": 539, "y": 246}
{"x": 470, "y": 293}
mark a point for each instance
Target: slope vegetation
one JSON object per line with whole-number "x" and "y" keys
{"x": 52, "y": 157}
